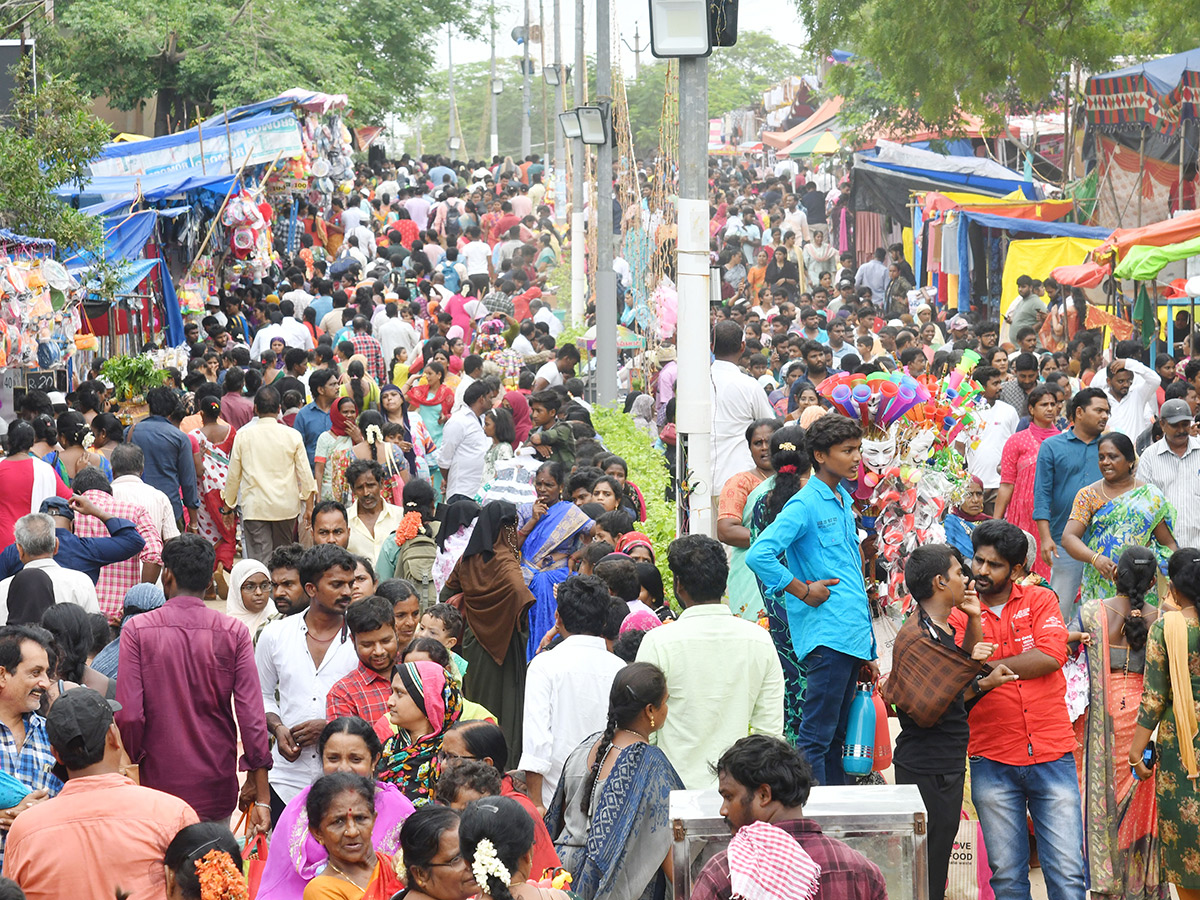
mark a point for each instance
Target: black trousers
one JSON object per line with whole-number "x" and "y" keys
{"x": 943, "y": 796}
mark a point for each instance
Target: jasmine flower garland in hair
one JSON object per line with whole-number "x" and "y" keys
{"x": 487, "y": 863}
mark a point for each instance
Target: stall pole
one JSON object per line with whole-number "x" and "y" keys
{"x": 217, "y": 217}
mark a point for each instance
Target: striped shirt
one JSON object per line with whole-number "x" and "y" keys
{"x": 1178, "y": 478}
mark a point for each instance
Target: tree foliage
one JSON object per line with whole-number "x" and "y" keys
{"x": 925, "y": 62}
{"x": 46, "y": 140}
{"x": 200, "y": 57}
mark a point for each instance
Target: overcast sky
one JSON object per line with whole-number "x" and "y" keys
{"x": 777, "y": 17}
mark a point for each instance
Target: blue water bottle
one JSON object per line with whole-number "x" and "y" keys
{"x": 858, "y": 753}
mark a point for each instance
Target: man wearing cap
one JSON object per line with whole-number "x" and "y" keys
{"x": 959, "y": 328}
{"x": 112, "y": 832}
{"x": 37, "y": 544}
{"x": 1173, "y": 465}
{"x": 86, "y": 555}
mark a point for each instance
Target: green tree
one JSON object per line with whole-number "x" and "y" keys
{"x": 199, "y": 57}
{"x": 46, "y": 140}
{"x": 925, "y": 62}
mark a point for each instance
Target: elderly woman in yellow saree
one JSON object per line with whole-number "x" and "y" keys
{"x": 1121, "y": 844}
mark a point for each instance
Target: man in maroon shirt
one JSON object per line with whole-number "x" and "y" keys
{"x": 185, "y": 669}
{"x": 764, "y": 779}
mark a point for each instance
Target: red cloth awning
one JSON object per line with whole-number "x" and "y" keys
{"x": 1160, "y": 234}
{"x": 1087, "y": 275}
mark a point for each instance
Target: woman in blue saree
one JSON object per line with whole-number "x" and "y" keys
{"x": 550, "y": 530}
{"x": 609, "y": 817}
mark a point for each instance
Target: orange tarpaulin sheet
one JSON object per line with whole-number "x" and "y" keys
{"x": 1044, "y": 210}
{"x": 1160, "y": 234}
{"x": 825, "y": 112}
{"x": 1088, "y": 275}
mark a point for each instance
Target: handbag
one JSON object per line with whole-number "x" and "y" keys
{"x": 926, "y": 676}
{"x": 12, "y": 790}
{"x": 254, "y": 854}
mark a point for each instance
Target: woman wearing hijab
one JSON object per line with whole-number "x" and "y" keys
{"x": 516, "y": 403}
{"x": 495, "y": 600}
{"x": 964, "y": 517}
{"x": 424, "y": 703}
{"x": 454, "y": 533}
{"x": 30, "y": 593}
{"x": 249, "y": 598}
{"x": 783, "y": 276}
{"x": 342, "y": 434}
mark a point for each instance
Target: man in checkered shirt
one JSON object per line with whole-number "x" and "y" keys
{"x": 25, "y": 751}
{"x": 764, "y": 779}
{"x": 117, "y": 578}
{"x": 369, "y": 348}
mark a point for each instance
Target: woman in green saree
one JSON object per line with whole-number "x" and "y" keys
{"x": 1113, "y": 513}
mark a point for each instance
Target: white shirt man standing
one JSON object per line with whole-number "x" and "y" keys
{"x": 567, "y": 688}
{"x": 1173, "y": 466}
{"x": 737, "y": 401}
{"x": 999, "y": 423}
{"x": 128, "y": 462}
{"x": 464, "y": 445}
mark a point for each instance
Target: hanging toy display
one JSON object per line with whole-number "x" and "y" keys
{"x": 910, "y": 470}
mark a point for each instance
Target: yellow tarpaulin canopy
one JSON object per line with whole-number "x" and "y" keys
{"x": 1037, "y": 258}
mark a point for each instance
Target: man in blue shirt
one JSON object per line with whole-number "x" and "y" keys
{"x": 86, "y": 555}
{"x": 313, "y": 419}
{"x": 170, "y": 466}
{"x": 828, "y": 611}
{"x": 1067, "y": 462}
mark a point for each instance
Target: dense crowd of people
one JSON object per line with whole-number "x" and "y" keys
{"x": 367, "y": 575}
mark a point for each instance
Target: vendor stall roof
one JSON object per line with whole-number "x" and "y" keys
{"x": 99, "y": 189}
{"x": 824, "y": 114}
{"x": 1157, "y": 94}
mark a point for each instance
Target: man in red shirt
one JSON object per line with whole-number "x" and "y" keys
{"x": 365, "y": 691}
{"x": 1022, "y": 743}
{"x": 507, "y": 220}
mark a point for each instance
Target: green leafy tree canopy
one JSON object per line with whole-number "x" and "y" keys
{"x": 46, "y": 140}
{"x": 925, "y": 62}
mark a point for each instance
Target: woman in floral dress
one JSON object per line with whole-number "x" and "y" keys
{"x": 215, "y": 440}
{"x": 1172, "y": 684}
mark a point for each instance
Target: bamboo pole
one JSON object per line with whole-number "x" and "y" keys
{"x": 217, "y": 217}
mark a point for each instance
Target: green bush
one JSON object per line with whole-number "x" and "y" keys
{"x": 648, "y": 470}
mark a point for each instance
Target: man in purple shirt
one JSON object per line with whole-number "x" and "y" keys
{"x": 181, "y": 665}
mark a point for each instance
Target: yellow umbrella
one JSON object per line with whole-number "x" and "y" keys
{"x": 828, "y": 143}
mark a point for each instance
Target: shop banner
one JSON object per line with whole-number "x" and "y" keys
{"x": 262, "y": 138}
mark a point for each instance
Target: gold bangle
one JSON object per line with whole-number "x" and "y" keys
{"x": 1095, "y": 556}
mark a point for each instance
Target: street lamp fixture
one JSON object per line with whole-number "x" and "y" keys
{"x": 569, "y": 121}
{"x": 550, "y": 73}
{"x": 455, "y": 143}
{"x": 497, "y": 86}
{"x": 593, "y": 124}
{"x": 679, "y": 28}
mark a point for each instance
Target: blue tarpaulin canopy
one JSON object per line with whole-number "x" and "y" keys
{"x": 1015, "y": 225}
{"x": 103, "y": 189}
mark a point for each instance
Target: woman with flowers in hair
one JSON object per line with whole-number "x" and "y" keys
{"x": 203, "y": 862}
{"x": 790, "y": 461}
{"x": 496, "y": 838}
{"x": 341, "y": 816}
{"x": 609, "y": 816}
{"x": 423, "y": 704}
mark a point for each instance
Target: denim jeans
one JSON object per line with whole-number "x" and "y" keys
{"x": 1065, "y": 578}
{"x": 832, "y": 677}
{"x": 1050, "y": 791}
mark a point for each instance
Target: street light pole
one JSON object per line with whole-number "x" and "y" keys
{"x": 579, "y": 159}
{"x": 560, "y": 167}
{"x": 495, "y": 142}
{"x": 526, "y": 137}
{"x": 693, "y": 412}
{"x": 450, "y": 79}
{"x": 606, "y": 278}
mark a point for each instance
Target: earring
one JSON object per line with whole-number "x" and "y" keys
{"x": 651, "y": 721}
